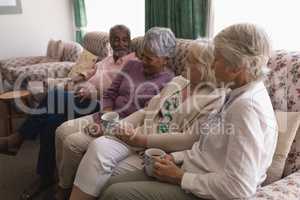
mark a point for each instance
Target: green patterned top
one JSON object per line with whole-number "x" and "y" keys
{"x": 167, "y": 111}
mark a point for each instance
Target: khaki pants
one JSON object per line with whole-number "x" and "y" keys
{"x": 71, "y": 143}
{"x": 138, "y": 186}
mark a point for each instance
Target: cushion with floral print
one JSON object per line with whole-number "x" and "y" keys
{"x": 283, "y": 84}
{"x": 284, "y": 189}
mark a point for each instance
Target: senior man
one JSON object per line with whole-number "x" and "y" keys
{"x": 85, "y": 102}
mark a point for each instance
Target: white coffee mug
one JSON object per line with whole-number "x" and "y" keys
{"x": 149, "y": 159}
{"x": 109, "y": 122}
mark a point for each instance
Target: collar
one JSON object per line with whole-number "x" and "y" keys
{"x": 239, "y": 91}
{"x": 123, "y": 59}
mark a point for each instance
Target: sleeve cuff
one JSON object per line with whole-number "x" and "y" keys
{"x": 152, "y": 140}
{"x": 178, "y": 157}
{"x": 84, "y": 73}
{"x": 187, "y": 182}
{"x": 106, "y": 104}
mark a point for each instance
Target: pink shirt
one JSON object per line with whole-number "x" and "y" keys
{"x": 107, "y": 69}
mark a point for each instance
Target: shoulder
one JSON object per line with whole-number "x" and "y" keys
{"x": 180, "y": 80}
{"x": 129, "y": 57}
{"x": 107, "y": 59}
{"x": 104, "y": 61}
{"x": 132, "y": 65}
{"x": 244, "y": 110}
{"x": 177, "y": 83}
{"x": 167, "y": 75}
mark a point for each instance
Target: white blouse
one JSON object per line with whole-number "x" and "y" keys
{"x": 234, "y": 149}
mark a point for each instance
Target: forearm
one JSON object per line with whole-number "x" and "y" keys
{"x": 136, "y": 119}
{"x": 171, "y": 142}
{"x": 107, "y": 109}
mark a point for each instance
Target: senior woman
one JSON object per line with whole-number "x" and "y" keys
{"x": 130, "y": 91}
{"x": 173, "y": 111}
{"x": 225, "y": 163}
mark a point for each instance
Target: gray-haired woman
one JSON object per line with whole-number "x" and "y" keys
{"x": 168, "y": 117}
{"x": 230, "y": 161}
{"x": 132, "y": 88}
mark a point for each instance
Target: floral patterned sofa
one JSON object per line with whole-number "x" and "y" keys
{"x": 283, "y": 84}
{"x": 284, "y": 89}
{"x": 41, "y": 68}
{"x": 23, "y": 69}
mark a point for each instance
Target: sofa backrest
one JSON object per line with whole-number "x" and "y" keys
{"x": 72, "y": 51}
{"x": 283, "y": 84}
{"x": 97, "y": 43}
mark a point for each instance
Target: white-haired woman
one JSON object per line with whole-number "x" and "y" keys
{"x": 171, "y": 113}
{"x": 228, "y": 162}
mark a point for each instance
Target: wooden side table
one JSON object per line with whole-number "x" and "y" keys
{"x": 8, "y": 98}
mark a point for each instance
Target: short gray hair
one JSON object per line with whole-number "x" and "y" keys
{"x": 247, "y": 45}
{"x": 201, "y": 52}
{"x": 160, "y": 41}
{"x": 119, "y": 27}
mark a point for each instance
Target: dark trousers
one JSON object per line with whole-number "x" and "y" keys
{"x": 59, "y": 106}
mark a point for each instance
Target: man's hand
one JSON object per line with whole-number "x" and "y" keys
{"x": 165, "y": 170}
{"x": 83, "y": 93}
{"x": 169, "y": 157}
{"x": 128, "y": 134}
{"x": 93, "y": 130}
{"x": 77, "y": 79}
{"x": 107, "y": 109}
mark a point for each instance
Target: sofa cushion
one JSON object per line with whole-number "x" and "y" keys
{"x": 284, "y": 189}
{"x": 97, "y": 43}
{"x": 293, "y": 161}
{"x": 55, "y": 49}
{"x": 40, "y": 72}
{"x": 84, "y": 64}
{"x": 288, "y": 123}
{"x": 283, "y": 84}
{"x": 47, "y": 59}
{"x": 72, "y": 51}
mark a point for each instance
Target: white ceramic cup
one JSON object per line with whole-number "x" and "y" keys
{"x": 149, "y": 159}
{"x": 109, "y": 121}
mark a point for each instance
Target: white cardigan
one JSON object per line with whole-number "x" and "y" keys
{"x": 200, "y": 105}
{"x": 231, "y": 162}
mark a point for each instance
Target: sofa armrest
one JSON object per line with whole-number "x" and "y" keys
{"x": 286, "y": 188}
{"x": 20, "y": 61}
{"x": 1, "y": 83}
{"x": 38, "y": 72}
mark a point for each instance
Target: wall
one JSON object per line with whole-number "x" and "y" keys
{"x": 130, "y": 13}
{"x": 280, "y": 20}
{"x": 28, "y": 33}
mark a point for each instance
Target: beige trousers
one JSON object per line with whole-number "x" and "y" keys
{"x": 71, "y": 143}
{"x": 138, "y": 186}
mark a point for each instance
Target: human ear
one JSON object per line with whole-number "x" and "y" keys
{"x": 165, "y": 61}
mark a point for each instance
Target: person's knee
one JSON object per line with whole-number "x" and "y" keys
{"x": 98, "y": 145}
{"x": 61, "y": 131}
{"x": 99, "y": 152}
{"x": 75, "y": 144}
{"x": 118, "y": 191}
